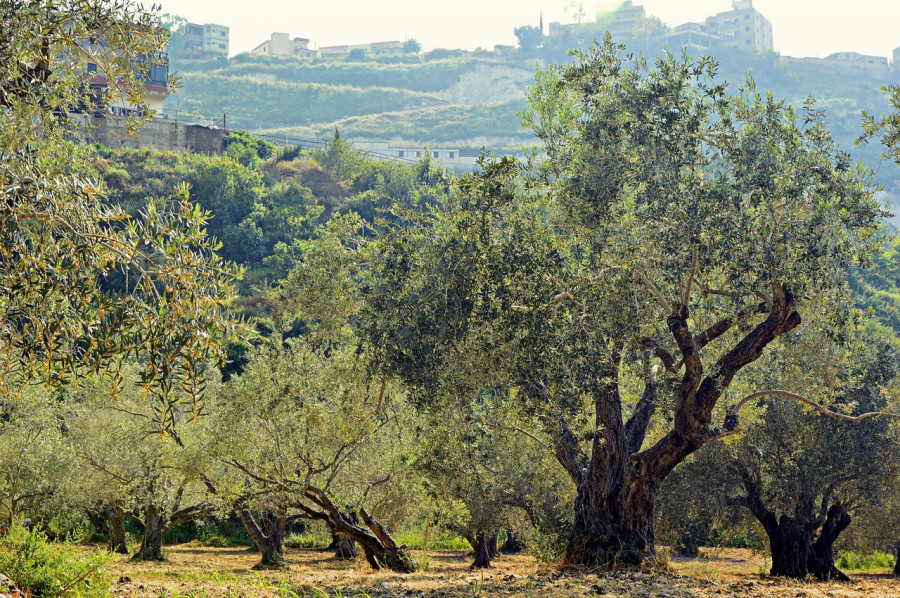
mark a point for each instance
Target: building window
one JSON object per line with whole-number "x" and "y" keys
{"x": 436, "y": 154}
{"x": 746, "y": 17}
{"x": 451, "y": 155}
{"x": 747, "y": 43}
{"x": 418, "y": 154}
{"x": 746, "y": 29}
{"x": 401, "y": 154}
{"x": 222, "y": 33}
{"x": 91, "y": 67}
{"x": 222, "y": 46}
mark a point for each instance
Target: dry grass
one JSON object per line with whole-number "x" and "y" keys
{"x": 196, "y": 571}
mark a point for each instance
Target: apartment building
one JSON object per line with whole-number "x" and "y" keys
{"x": 695, "y": 37}
{"x": 623, "y": 21}
{"x": 742, "y": 27}
{"x": 155, "y": 72}
{"x": 204, "y": 41}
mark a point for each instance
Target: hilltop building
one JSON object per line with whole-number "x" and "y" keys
{"x": 742, "y": 27}
{"x": 696, "y": 37}
{"x": 152, "y": 68}
{"x": 389, "y": 48}
{"x": 281, "y": 44}
{"x": 200, "y": 42}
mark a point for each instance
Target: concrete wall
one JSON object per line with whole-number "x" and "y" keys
{"x": 161, "y": 134}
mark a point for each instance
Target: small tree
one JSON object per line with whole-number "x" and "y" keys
{"x": 135, "y": 472}
{"x": 411, "y": 46}
{"x": 530, "y": 37}
{"x": 304, "y": 426}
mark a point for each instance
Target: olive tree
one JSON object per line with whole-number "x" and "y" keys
{"x": 61, "y": 245}
{"x": 309, "y": 433}
{"x": 125, "y": 469}
{"x": 671, "y": 219}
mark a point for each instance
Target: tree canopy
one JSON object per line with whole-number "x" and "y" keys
{"x": 63, "y": 250}
{"x": 671, "y": 220}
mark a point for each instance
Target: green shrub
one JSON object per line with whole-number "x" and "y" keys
{"x": 863, "y": 562}
{"x": 35, "y": 565}
{"x": 317, "y": 536}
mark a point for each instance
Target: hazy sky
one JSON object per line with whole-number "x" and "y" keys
{"x": 801, "y": 27}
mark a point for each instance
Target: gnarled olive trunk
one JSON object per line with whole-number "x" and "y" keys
{"x": 379, "y": 548}
{"x": 481, "y": 545}
{"x": 115, "y": 521}
{"x": 512, "y": 545}
{"x": 267, "y": 534}
{"x": 343, "y": 545}
{"x": 796, "y": 551}
{"x": 154, "y": 524}
{"x": 822, "y": 550}
{"x": 345, "y": 549}
{"x": 617, "y": 483}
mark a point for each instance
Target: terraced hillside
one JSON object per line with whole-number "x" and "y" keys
{"x": 465, "y": 100}
{"x": 471, "y": 99}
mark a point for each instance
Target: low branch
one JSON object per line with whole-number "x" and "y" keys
{"x": 732, "y": 421}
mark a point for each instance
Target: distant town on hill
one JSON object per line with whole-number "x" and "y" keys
{"x": 392, "y": 99}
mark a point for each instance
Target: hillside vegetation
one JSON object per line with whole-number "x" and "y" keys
{"x": 464, "y": 99}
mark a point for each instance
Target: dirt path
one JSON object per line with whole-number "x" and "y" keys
{"x": 199, "y": 572}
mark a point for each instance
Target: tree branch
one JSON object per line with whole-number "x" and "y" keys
{"x": 732, "y": 418}
{"x": 724, "y": 325}
{"x": 659, "y": 297}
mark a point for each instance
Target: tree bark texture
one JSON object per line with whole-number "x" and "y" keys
{"x": 115, "y": 521}
{"x": 267, "y": 534}
{"x": 481, "y": 546}
{"x": 796, "y": 551}
{"x": 152, "y": 538}
{"x": 379, "y": 548}
{"x": 617, "y": 483}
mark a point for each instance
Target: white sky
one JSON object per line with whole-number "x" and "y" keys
{"x": 800, "y": 27}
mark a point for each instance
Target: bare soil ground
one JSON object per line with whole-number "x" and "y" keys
{"x": 195, "y": 571}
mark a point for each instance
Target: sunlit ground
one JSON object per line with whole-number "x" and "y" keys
{"x": 197, "y": 571}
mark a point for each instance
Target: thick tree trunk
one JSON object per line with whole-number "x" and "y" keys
{"x": 822, "y": 550}
{"x": 115, "y": 521}
{"x": 789, "y": 544}
{"x": 796, "y": 555}
{"x": 345, "y": 549}
{"x": 481, "y": 546}
{"x": 267, "y": 535}
{"x": 343, "y": 545}
{"x": 493, "y": 551}
{"x": 152, "y": 540}
{"x": 395, "y": 557}
{"x": 610, "y": 531}
{"x": 378, "y": 545}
